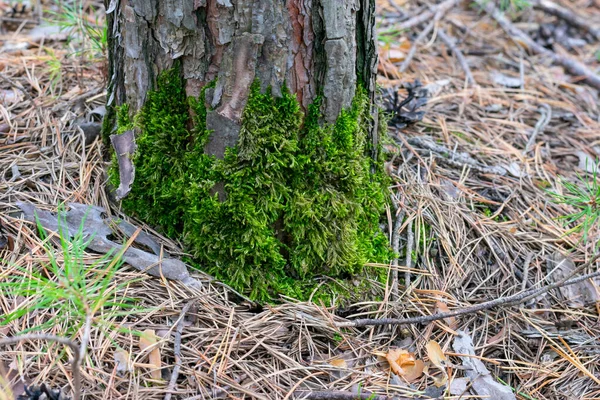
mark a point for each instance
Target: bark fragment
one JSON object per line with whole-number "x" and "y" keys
{"x": 124, "y": 146}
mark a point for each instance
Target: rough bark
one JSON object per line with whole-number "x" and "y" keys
{"x": 312, "y": 46}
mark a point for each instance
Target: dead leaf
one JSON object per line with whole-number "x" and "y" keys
{"x": 436, "y": 355}
{"x": 148, "y": 339}
{"x": 441, "y": 307}
{"x": 122, "y": 361}
{"x": 578, "y": 295}
{"x": 339, "y": 362}
{"x": 404, "y": 364}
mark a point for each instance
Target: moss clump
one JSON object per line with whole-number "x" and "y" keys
{"x": 298, "y": 201}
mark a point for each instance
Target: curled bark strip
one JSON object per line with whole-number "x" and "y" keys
{"x": 124, "y": 145}
{"x": 572, "y": 66}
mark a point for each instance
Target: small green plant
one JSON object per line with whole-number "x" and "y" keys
{"x": 71, "y": 292}
{"x": 584, "y": 197}
{"x": 54, "y": 69}
{"x": 73, "y": 18}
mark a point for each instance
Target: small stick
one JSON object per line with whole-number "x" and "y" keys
{"x": 396, "y": 250}
{"x": 177, "y": 350}
{"x": 459, "y": 55}
{"x": 413, "y": 48}
{"x": 546, "y": 112}
{"x": 571, "y": 65}
{"x": 526, "y": 264}
{"x": 518, "y": 298}
{"x": 58, "y": 339}
{"x": 567, "y": 15}
{"x": 410, "y": 240}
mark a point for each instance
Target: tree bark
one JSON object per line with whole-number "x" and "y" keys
{"x": 313, "y": 47}
{"x": 316, "y": 50}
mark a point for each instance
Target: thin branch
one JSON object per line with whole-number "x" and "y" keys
{"x": 518, "y": 298}
{"x": 459, "y": 55}
{"x": 572, "y": 66}
{"x": 567, "y": 15}
{"x": 413, "y": 48}
{"x": 177, "y": 350}
{"x": 546, "y": 112}
{"x": 396, "y": 250}
{"x": 410, "y": 240}
{"x": 58, "y": 339}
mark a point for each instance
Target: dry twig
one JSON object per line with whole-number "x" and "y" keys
{"x": 459, "y": 55}
{"x": 518, "y": 298}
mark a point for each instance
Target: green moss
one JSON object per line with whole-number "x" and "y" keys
{"x": 300, "y": 200}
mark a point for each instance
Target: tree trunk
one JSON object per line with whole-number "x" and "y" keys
{"x": 256, "y": 134}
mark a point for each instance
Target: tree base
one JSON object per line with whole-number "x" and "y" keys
{"x": 294, "y": 201}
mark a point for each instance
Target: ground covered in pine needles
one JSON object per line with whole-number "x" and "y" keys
{"x": 495, "y": 137}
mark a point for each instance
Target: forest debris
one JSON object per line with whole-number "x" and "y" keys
{"x": 571, "y": 65}
{"x": 586, "y": 162}
{"x": 546, "y": 115}
{"x": 507, "y": 81}
{"x": 567, "y": 15}
{"x": 97, "y": 228}
{"x": 477, "y": 375}
{"x": 122, "y": 362}
{"x": 578, "y": 295}
{"x": 441, "y": 307}
{"x": 451, "y": 43}
{"x": 416, "y": 98}
{"x": 124, "y": 145}
{"x": 149, "y": 340}
{"x": 452, "y": 157}
{"x": 404, "y": 364}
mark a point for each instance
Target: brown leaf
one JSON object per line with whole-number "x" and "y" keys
{"x": 436, "y": 355}
{"x": 148, "y": 339}
{"x": 404, "y": 364}
{"x": 441, "y": 307}
{"x": 339, "y": 362}
{"x": 122, "y": 361}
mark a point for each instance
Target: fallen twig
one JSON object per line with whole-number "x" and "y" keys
{"x": 546, "y": 112}
{"x": 396, "y": 250}
{"x": 518, "y": 298}
{"x": 77, "y": 351}
{"x": 459, "y": 55}
{"x": 567, "y": 15}
{"x": 413, "y": 48}
{"x": 410, "y": 240}
{"x": 572, "y": 66}
{"x": 177, "y": 351}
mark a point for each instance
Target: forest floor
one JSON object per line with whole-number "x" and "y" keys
{"x": 496, "y": 147}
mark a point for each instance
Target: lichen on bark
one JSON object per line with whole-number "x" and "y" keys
{"x": 289, "y": 207}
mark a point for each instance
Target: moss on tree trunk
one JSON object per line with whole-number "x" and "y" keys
{"x": 260, "y": 152}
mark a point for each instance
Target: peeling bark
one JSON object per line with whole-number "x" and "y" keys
{"x": 314, "y": 47}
